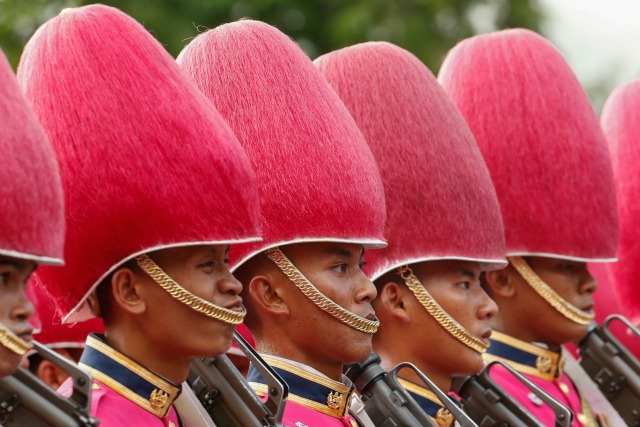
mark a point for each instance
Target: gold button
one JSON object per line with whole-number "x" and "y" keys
{"x": 583, "y": 418}
{"x": 565, "y": 388}
{"x": 171, "y": 424}
{"x": 353, "y": 423}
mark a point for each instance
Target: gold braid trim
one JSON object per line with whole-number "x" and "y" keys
{"x": 13, "y": 342}
{"x": 187, "y": 298}
{"x": 318, "y": 298}
{"x": 438, "y": 313}
{"x": 564, "y": 307}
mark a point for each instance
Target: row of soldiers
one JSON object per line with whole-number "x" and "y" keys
{"x": 137, "y": 184}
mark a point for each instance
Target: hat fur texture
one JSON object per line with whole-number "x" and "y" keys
{"x": 146, "y": 160}
{"x": 317, "y": 178}
{"x": 542, "y": 142}
{"x": 620, "y": 120}
{"x": 441, "y": 203}
{"x": 32, "y": 214}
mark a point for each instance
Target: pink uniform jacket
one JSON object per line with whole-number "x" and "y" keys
{"x": 125, "y": 393}
{"x": 545, "y": 369}
{"x": 314, "y": 399}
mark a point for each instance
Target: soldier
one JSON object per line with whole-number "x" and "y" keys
{"x": 65, "y": 339}
{"x": 443, "y": 218}
{"x": 620, "y": 125}
{"x": 32, "y": 215}
{"x": 157, "y": 188}
{"x": 322, "y": 201}
{"x": 549, "y": 163}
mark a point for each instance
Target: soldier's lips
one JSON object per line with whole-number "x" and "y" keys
{"x": 371, "y": 316}
{"x": 486, "y": 335}
{"x": 236, "y": 305}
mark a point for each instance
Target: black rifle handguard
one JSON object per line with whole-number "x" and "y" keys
{"x": 386, "y": 401}
{"x": 227, "y": 396}
{"x": 27, "y": 401}
{"x": 613, "y": 368}
{"x": 489, "y": 405}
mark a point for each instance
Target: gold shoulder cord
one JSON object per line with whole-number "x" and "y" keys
{"x": 13, "y": 342}
{"x": 318, "y": 298}
{"x": 564, "y": 307}
{"x": 187, "y": 298}
{"x": 438, "y": 313}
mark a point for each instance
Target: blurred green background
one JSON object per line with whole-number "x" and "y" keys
{"x": 428, "y": 28}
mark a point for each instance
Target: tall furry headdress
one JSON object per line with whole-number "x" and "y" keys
{"x": 441, "y": 203}
{"x": 146, "y": 160}
{"x": 620, "y": 120}
{"x": 542, "y": 143}
{"x": 32, "y": 213}
{"x": 317, "y": 178}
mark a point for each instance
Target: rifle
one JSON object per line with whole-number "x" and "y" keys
{"x": 387, "y": 402}
{"x": 227, "y": 396}
{"x": 613, "y": 367}
{"x": 27, "y": 401}
{"x": 489, "y": 405}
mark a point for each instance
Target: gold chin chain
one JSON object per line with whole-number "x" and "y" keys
{"x": 438, "y": 313}
{"x": 563, "y": 306}
{"x": 318, "y": 298}
{"x": 13, "y": 342}
{"x": 187, "y": 298}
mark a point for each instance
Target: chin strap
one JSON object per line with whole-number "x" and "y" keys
{"x": 438, "y": 313}
{"x": 187, "y": 298}
{"x": 561, "y": 305}
{"x": 13, "y": 342}
{"x": 318, "y": 298}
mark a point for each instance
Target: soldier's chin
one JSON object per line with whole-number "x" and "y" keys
{"x": 9, "y": 362}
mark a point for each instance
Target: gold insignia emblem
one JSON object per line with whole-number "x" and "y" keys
{"x": 565, "y": 388}
{"x": 543, "y": 364}
{"x": 444, "y": 418}
{"x": 158, "y": 399}
{"x": 334, "y": 400}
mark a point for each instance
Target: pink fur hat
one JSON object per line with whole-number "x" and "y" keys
{"x": 53, "y": 333}
{"x": 146, "y": 160}
{"x": 317, "y": 178}
{"x": 32, "y": 214}
{"x": 542, "y": 143}
{"x": 441, "y": 203}
{"x": 620, "y": 120}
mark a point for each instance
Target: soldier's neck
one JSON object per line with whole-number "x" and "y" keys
{"x": 330, "y": 369}
{"x": 158, "y": 360}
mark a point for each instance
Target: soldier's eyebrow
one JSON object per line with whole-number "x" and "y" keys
{"x": 466, "y": 272}
{"x": 339, "y": 252}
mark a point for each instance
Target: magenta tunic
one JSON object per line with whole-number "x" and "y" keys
{"x": 545, "y": 369}
{"x": 125, "y": 393}
{"x": 314, "y": 399}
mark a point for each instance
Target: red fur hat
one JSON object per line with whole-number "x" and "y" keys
{"x": 441, "y": 203}
{"x": 542, "y": 143}
{"x": 146, "y": 160}
{"x": 620, "y": 119}
{"x": 53, "y": 333}
{"x": 317, "y": 178}
{"x": 32, "y": 214}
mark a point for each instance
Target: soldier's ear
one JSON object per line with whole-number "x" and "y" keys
{"x": 266, "y": 295}
{"x": 392, "y": 299}
{"x": 499, "y": 283}
{"x": 125, "y": 292}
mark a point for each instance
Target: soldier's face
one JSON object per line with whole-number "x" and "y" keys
{"x": 180, "y": 330}
{"x": 573, "y": 282}
{"x": 15, "y": 308}
{"x": 455, "y": 285}
{"x": 335, "y": 269}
